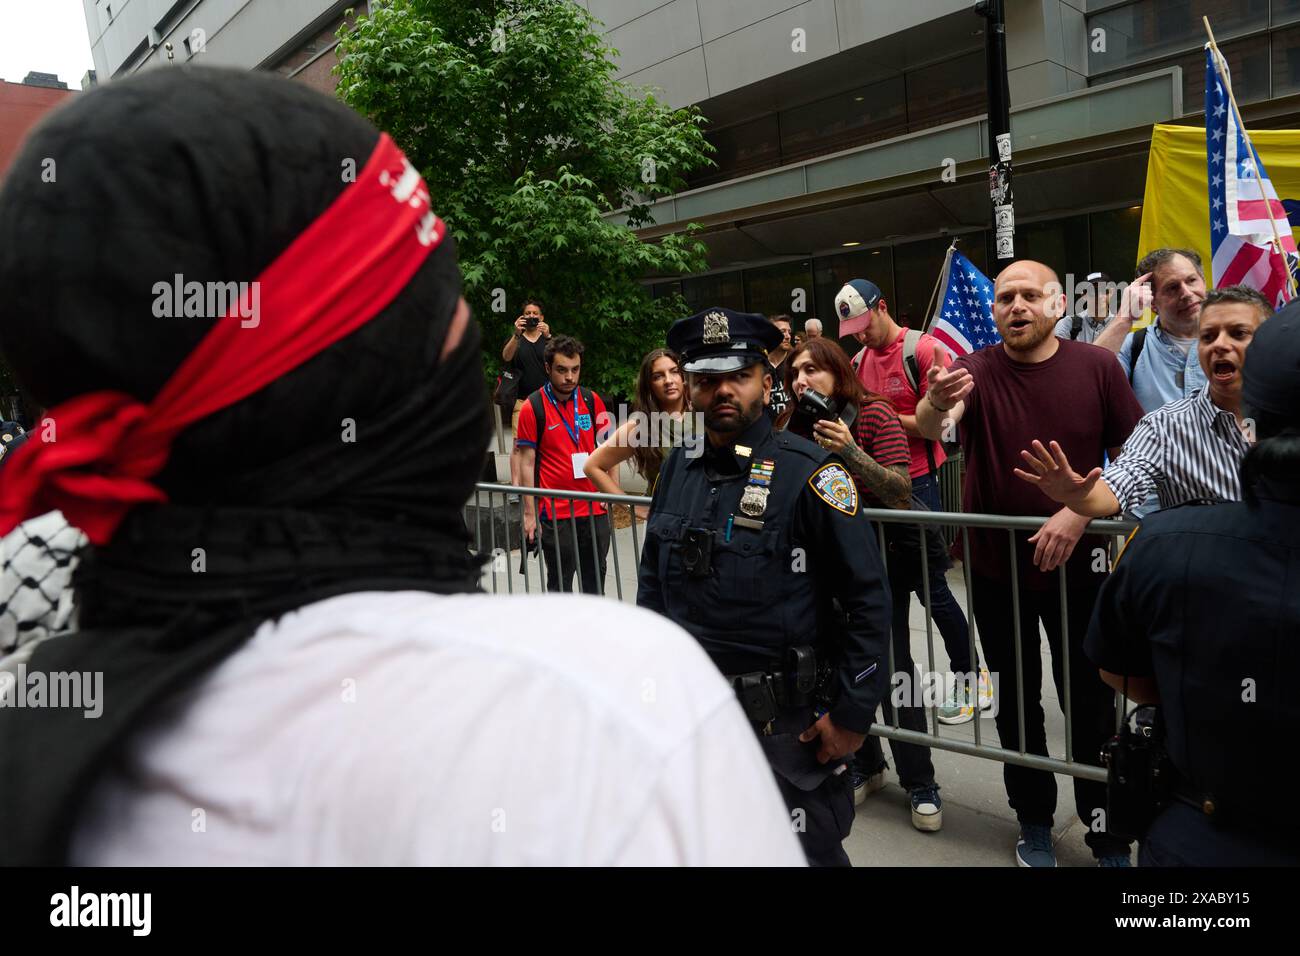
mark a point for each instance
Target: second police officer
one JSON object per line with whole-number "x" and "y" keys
{"x": 757, "y": 546}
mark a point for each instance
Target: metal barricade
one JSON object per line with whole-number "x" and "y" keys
{"x": 494, "y": 518}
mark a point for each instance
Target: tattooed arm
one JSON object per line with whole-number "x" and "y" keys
{"x": 890, "y": 484}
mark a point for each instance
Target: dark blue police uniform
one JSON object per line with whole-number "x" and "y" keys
{"x": 759, "y": 549}
{"x": 1205, "y": 600}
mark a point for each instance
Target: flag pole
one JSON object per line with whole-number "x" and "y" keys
{"x": 1241, "y": 125}
{"x": 943, "y": 273}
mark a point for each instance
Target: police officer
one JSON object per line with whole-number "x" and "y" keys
{"x": 758, "y": 547}
{"x": 1201, "y": 617}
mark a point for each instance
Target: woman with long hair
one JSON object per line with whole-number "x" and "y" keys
{"x": 662, "y": 423}
{"x": 868, "y": 436}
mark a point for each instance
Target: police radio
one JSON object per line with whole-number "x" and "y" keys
{"x": 1139, "y": 774}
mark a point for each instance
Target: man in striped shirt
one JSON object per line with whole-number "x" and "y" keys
{"x": 1186, "y": 450}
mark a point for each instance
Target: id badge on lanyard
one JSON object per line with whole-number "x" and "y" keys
{"x": 578, "y": 458}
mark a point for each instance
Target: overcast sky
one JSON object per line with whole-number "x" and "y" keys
{"x": 48, "y": 36}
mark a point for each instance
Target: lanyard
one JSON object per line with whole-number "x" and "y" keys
{"x": 573, "y": 432}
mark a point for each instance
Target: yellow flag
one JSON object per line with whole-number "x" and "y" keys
{"x": 1175, "y": 209}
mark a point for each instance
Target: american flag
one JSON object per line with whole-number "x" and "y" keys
{"x": 963, "y": 319}
{"x": 1242, "y": 198}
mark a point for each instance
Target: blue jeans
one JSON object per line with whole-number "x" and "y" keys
{"x": 945, "y": 610}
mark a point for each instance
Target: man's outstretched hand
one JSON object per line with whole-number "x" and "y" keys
{"x": 1054, "y": 476}
{"x": 947, "y": 387}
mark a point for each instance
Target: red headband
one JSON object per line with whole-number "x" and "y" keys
{"x": 345, "y": 268}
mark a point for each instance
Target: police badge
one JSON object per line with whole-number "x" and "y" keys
{"x": 716, "y": 329}
{"x": 754, "y": 500}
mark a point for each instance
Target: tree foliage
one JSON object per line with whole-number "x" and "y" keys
{"x": 511, "y": 112}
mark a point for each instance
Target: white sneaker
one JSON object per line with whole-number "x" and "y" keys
{"x": 863, "y": 787}
{"x": 985, "y": 690}
{"x": 956, "y": 707}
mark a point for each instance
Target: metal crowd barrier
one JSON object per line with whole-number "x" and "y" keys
{"x": 498, "y": 536}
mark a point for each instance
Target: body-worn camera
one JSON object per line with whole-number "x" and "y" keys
{"x": 813, "y": 407}
{"x": 1139, "y": 774}
{"x": 697, "y": 552}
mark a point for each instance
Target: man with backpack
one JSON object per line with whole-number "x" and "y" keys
{"x": 894, "y": 362}
{"x": 556, "y": 435}
{"x": 1160, "y": 360}
{"x": 1084, "y": 325}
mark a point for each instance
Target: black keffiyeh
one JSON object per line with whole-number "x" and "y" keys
{"x": 211, "y": 174}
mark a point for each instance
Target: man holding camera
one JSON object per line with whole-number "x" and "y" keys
{"x": 758, "y": 547}
{"x": 525, "y": 351}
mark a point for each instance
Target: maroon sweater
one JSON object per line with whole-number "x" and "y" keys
{"x": 1080, "y": 398}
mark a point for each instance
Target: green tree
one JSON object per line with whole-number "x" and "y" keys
{"x": 511, "y": 112}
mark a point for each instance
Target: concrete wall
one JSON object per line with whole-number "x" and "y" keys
{"x": 237, "y": 33}
{"x": 697, "y": 49}
{"x": 1047, "y": 48}
{"x": 693, "y": 50}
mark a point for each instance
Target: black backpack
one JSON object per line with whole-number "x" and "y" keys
{"x": 1139, "y": 340}
{"x": 912, "y": 372}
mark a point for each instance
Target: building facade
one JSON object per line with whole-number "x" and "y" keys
{"x": 21, "y": 105}
{"x": 850, "y": 134}
{"x": 292, "y": 37}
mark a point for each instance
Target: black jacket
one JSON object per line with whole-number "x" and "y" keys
{"x": 811, "y": 575}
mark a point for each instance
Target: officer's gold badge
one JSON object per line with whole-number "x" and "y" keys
{"x": 835, "y": 486}
{"x": 717, "y": 330}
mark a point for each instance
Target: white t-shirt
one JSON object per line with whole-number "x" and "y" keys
{"x": 410, "y": 728}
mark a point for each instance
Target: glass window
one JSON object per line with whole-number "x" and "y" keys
{"x": 661, "y": 289}
{"x": 1059, "y": 243}
{"x": 946, "y": 92}
{"x": 1115, "y": 242}
{"x": 1284, "y": 11}
{"x": 1286, "y": 61}
{"x": 783, "y": 288}
{"x": 1149, "y": 28}
{"x": 741, "y": 150}
{"x": 859, "y": 116}
{"x": 723, "y": 289}
{"x": 916, "y": 271}
{"x": 831, "y": 272}
{"x": 1247, "y": 62}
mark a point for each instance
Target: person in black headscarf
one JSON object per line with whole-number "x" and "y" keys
{"x": 279, "y": 602}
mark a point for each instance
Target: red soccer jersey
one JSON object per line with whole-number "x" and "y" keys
{"x": 568, "y": 428}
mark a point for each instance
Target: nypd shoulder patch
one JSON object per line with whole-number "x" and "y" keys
{"x": 834, "y": 485}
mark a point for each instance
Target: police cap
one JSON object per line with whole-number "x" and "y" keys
{"x": 719, "y": 340}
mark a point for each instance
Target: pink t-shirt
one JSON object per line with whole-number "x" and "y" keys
{"x": 882, "y": 371}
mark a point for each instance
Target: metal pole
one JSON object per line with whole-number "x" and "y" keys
{"x": 1015, "y": 611}
{"x": 884, "y": 564}
{"x": 613, "y": 546}
{"x": 970, "y": 629}
{"x": 1000, "y": 195}
{"x": 929, "y": 623}
{"x": 492, "y": 538}
{"x": 1066, "y": 650}
{"x": 505, "y": 524}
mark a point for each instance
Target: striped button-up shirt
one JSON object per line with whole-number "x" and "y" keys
{"x": 1182, "y": 451}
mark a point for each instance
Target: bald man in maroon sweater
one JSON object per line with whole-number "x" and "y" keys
{"x": 999, "y": 399}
